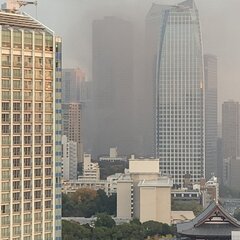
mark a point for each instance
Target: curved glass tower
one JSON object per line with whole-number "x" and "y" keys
{"x": 179, "y": 139}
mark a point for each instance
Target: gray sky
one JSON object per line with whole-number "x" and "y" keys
{"x": 220, "y": 20}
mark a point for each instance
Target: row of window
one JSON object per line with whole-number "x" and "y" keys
{"x": 27, "y": 40}
{"x": 28, "y": 184}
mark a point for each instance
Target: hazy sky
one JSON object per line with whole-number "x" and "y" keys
{"x": 220, "y": 20}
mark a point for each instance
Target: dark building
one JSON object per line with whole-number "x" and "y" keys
{"x": 112, "y": 75}
{"x": 210, "y": 73}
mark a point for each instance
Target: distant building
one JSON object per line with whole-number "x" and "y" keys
{"x": 231, "y": 143}
{"x": 94, "y": 184}
{"x": 210, "y": 191}
{"x": 211, "y": 109}
{"x": 231, "y": 129}
{"x": 113, "y": 156}
{"x": 74, "y": 86}
{"x": 90, "y": 170}
{"x": 231, "y": 170}
{"x": 113, "y": 92}
{"x": 71, "y": 125}
{"x": 179, "y": 93}
{"x": 69, "y": 159}
{"x": 186, "y": 195}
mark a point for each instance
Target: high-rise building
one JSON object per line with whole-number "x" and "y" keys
{"x": 153, "y": 22}
{"x": 71, "y": 125}
{"x": 230, "y": 129}
{"x": 69, "y": 159}
{"x": 75, "y": 88}
{"x": 30, "y": 136}
{"x": 179, "y": 115}
{"x": 211, "y": 106}
{"x": 112, "y": 74}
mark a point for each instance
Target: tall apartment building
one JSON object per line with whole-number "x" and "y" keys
{"x": 211, "y": 106}
{"x": 230, "y": 129}
{"x": 69, "y": 159}
{"x": 71, "y": 125}
{"x": 112, "y": 70}
{"x": 30, "y": 135}
{"x": 179, "y": 109}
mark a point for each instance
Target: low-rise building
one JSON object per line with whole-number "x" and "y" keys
{"x": 113, "y": 156}
{"x": 90, "y": 170}
{"x": 143, "y": 193}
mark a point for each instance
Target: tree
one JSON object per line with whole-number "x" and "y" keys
{"x": 104, "y": 220}
{"x": 153, "y": 228}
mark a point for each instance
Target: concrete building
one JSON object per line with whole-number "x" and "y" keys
{"x": 231, "y": 143}
{"x": 231, "y": 169}
{"x": 94, "y": 184}
{"x": 211, "y": 107}
{"x": 30, "y": 176}
{"x": 136, "y": 185}
{"x": 210, "y": 191}
{"x": 112, "y": 76}
{"x": 179, "y": 94}
{"x": 69, "y": 159}
{"x": 90, "y": 170}
{"x": 113, "y": 156}
{"x": 231, "y": 129}
{"x": 71, "y": 125}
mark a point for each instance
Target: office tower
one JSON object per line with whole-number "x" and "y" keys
{"x": 152, "y": 26}
{"x": 30, "y": 137}
{"x": 112, "y": 69}
{"x": 69, "y": 159}
{"x": 180, "y": 140}
{"x": 71, "y": 125}
{"x": 74, "y": 86}
{"x": 230, "y": 129}
{"x": 210, "y": 74}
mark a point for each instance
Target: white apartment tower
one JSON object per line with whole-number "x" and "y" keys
{"x": 179, "y": 115}
{"x": 30, "y": 133}
{"x": 69, "y": 159}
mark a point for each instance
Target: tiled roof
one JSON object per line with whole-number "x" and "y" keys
{"x": 19, "y": 20}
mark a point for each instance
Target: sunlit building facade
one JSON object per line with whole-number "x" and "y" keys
{"x": 30, "y": 135}
{"x": 179, "y": 119}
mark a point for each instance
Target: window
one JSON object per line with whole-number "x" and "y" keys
{"x": 27, "y": 184}
{"x": 6, "y": 38}
{"x": 16, "y": 128}
{"x": 16, "y": 140}
{"x": 27, "y": 195}
{"x": 5, "y": 129}
{"x": 27, "y": 40}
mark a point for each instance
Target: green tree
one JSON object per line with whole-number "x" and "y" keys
{"x": 104, "y": 220}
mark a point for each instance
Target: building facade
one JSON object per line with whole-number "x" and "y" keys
{"x": 30, "y": 135}
{"x": 112, "y": 76}
{"x": 71, "y": 125}
{"x": 179, "y": 115}
{"x": 75, "y": 88}
{"x": 211, "y": 107}
{"x": 69, "y": 159}
{"x": 230, "y": 129}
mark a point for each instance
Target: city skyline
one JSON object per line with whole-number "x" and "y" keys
{"x": 222, "y": 42}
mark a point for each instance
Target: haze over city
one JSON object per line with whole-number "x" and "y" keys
{"x": 221, "y": 36}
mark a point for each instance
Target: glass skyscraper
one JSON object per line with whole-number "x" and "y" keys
{"x": 179, "y": 119}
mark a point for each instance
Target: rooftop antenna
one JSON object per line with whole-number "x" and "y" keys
{"x": 15, "y": 5}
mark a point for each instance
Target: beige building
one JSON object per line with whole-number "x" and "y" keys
{"x": 136, "y": 185}
{"x": 30, "y": 140}
{"x": 90, "y": 170}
